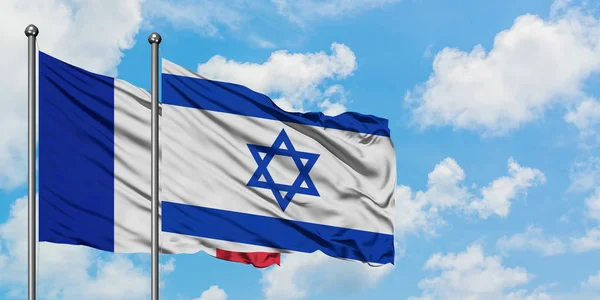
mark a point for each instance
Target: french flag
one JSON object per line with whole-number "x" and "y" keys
{"x": 94, "y": 166}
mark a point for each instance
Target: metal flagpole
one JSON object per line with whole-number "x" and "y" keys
{"x": 31, "y": 32}
{"x": 154, "y": 39}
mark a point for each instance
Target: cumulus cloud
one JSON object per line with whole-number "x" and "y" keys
{"x": 592, "y": 204}
{"x": 420, "y": 211}
{"x": 538, "y": 294}
{"x": 66, "y": 271}
{"x": 301, "y": 275}
{"x": 486, "y": 276}
{"x": 333, "y": 104}
{"x": 331, "y": 109}
{"x": 165, "y": 269}
{"x": 532, "y": 66}
{"x": 585, "y": 175}
{"x": 532, "y": 240}
{"x": 496, "y": 196}
{"x": 593, "y": 282}
{"x": 589, "y": 242}
{"x": 168, "y": 266}
{"x": 586, "y": 117}
{"x": 213, "y": 293}
{"x": 292, "y": 79}
{"x": 68, "y": 30}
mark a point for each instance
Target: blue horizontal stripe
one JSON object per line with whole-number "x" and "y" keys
{"x": 237, "y": 99}
{"x": 277, "y": 233}
{"x": 76, "y": 157}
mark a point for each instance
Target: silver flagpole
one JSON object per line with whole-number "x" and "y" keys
{"x": 31, "y": 32}
{"x": 154, "y": 39}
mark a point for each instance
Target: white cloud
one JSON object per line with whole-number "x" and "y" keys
{"x": 261, "y": 42}
{"x": 415, "y": 214}
{"x": 487, "y": 278}
{"x": 65, "y": 271}
{"x": 524, "y": 295}
{"x": 532, "y": 239}
{"x": 301, "y": 275}
{"x": 213, "y": 293}
{"x": 165, "y": 269}
{"x": 589, "y": 242}
{"x": 331, "y": 109}
{"x": 585, "y": 175}
{"x": 592, "y": 204}
{"x": 168, "y": 266}
{"x": 496, "y": 196}
{"x": 216, "y": 18}
{"x": 559, "y": 6}
{"x": 565, "y": 217}
{"x": 420, "y": 212}
{"x": 586, "y": 117}
{"x": 333, "y": 105}
{"x": 295, "y": 77}
{"x": 68, "y": 30}
{"x": 286, "y": 105}
{"x": 593, "y": 282}
{"x": 117, "y": 278}
{"x": 532, "y": 66}
{"x": 201, "y": 16}
{"x": 427, "y": 53}
{"x": 301, "y": 11}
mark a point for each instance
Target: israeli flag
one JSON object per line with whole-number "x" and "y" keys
{"x": 237, "y": 172}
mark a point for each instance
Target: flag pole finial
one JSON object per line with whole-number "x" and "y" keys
{"x": 154, "y": 38}
{"x": 32, "y": 30}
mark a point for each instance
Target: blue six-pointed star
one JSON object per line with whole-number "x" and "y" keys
{"x": 303, "y": 160}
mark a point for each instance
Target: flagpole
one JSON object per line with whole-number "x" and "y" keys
{"x": 154, "y": 39}
{"x": 31, "y": 32}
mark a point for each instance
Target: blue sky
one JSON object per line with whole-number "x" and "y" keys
{"x": 493, "y": 111}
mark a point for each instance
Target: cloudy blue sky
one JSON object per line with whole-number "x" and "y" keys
{"x": 493, "y": 108}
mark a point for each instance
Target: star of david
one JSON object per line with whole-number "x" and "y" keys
{"x": 263, "y": 179}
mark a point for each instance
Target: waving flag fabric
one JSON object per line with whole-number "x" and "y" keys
{"x": 239, "y": 173}
{"x": 94, "y": 165}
